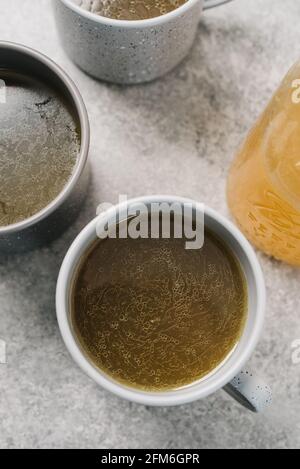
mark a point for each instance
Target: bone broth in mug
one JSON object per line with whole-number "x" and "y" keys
{"x": 39, "y": 145}
{"x": 156, "y": 316}
{"x": 129, "y": 9}
{"x": 128, "y": 41}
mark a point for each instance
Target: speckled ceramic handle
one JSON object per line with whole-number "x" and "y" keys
{"x": 214, "y": 3}
{"x": 250, "y": 391}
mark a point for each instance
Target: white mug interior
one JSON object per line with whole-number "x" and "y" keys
{"x": 225, "y": 372}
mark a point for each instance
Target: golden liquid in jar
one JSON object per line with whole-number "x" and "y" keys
{"x": 264, "y": 181}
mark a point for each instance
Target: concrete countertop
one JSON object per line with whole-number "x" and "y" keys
{"x": 177, "y": 135}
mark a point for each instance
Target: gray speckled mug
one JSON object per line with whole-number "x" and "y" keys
{"x": 128, "y": 52}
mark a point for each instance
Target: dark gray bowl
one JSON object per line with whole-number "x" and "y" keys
{"x": 50, "y": 222}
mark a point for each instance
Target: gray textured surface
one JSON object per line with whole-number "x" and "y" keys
{"x": 177, "y": 135}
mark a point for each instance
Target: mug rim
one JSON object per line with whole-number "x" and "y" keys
{"x": 156, "y": 21}
{"x": 195, "y": 391}
{"x": 84, "y": 137}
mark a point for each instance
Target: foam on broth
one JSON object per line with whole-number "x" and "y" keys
{"x": 39, "y": 146}
{"x": 155, "y": 316}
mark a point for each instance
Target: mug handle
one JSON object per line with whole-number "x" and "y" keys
{"x": 250, "y": 391}
{"x": 214, "y": 3}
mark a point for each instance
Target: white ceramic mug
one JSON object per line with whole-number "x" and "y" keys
{"x": 128, "y": 52}
{"x": 239, "y": 382}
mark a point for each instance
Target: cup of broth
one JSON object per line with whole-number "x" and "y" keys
{"x": 158, "y": 323}
{"x": 44, "y": 135}
{"x": 128, "y": 42}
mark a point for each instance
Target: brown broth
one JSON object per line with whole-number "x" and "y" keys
{"x": 39, "y": 146}
{"x": 130, "y": 9}
{"x": 155, "y": 316}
